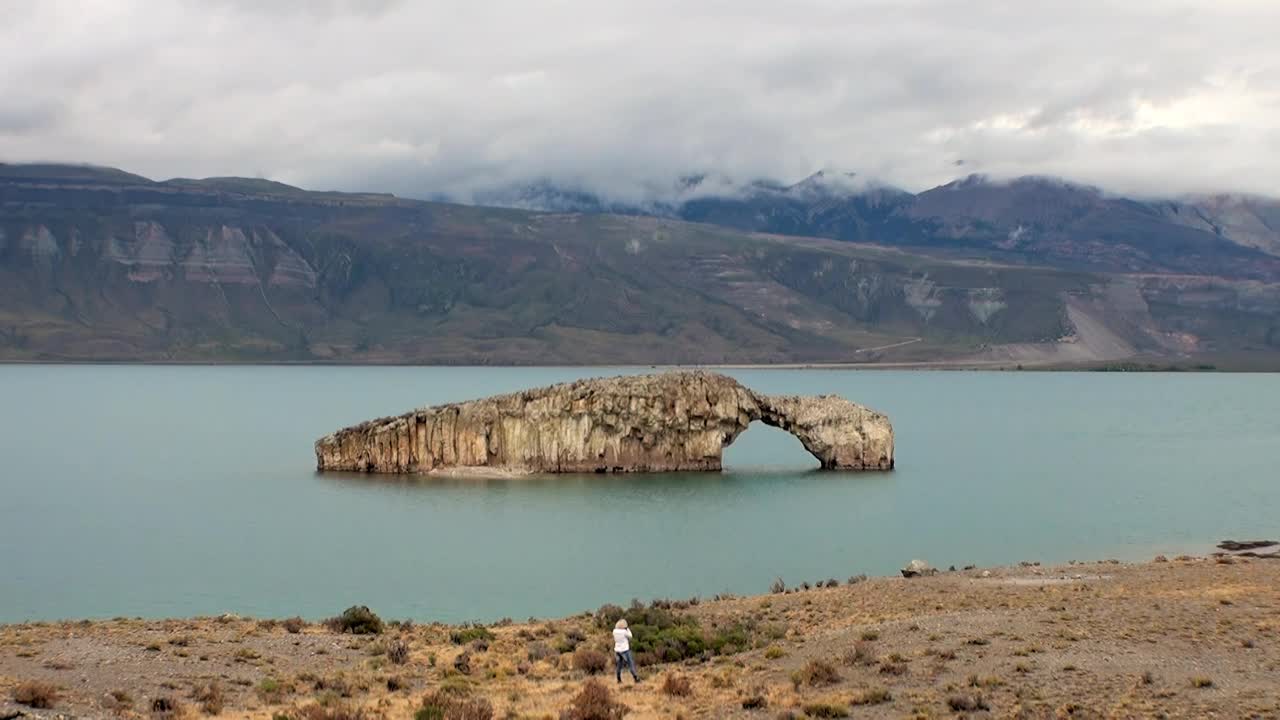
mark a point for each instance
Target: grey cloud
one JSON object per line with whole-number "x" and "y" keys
{"x": 418, "y": 97}
{"x": 31, "y": 117}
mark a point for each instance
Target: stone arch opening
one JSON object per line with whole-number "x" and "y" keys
{"x": 763, "y": 446}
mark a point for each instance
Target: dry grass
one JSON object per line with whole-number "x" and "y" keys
{"x": 594, "y": 702}
{"x": 826, "y": 710}
{"x": 871, "y": 696}
{"x": 676, "y": 685}
{"x": 209, "y": 697}
{"x": 337, "y": 711}
{"x": 922, "y": 627}
{"x": 35, "y": 694}
{"x": 444, "y": 704}
{"x": 815, "y": 673}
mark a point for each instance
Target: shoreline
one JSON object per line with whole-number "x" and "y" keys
{"x": 1205, "y": 548}
{"x": 1186, "y": 637}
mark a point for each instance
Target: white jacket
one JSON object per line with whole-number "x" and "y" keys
{"x": 621, "y": 640}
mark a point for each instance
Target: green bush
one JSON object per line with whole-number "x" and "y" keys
{"x": 470, "y": 633}
{"x": 670, "y": 644}
{"x": 663, "y": 636}
{"x": 728, "y": 641}
{"x": 357, "y": 620}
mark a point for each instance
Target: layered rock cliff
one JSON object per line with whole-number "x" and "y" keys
{"x": 641, "y": 423}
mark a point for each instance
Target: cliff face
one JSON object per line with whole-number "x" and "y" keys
{"x": 643, "y": 423}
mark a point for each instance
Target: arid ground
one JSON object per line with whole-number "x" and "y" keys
{"x": 1188, "y": 637}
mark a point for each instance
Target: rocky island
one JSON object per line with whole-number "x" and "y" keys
{"x": 676, "y": 421}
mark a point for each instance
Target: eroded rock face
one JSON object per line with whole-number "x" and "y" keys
{"x": 641, "y": 423}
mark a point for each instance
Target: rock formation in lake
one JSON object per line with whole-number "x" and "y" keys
{"x": 641, "y": 423}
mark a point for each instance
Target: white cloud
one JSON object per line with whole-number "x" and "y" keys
{"x": 414, "y": 97}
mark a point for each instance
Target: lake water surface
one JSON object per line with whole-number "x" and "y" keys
{"x": 177, "y": 491}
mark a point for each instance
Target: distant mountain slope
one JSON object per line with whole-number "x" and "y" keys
{"x": 1038, "y": 219}
{"x": 97, "y": 264}
{"x": 1246, "y": 220}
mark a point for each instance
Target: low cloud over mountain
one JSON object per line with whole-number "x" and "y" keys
{"x": 1143, "y": 97}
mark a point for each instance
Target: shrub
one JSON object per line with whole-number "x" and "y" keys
{"x": 36, "y": 694}
{"x": 871, "y": 696}
{"x": 357, "y": 620}
{"x": 967, "y": 703}
{"x": 855, "y": 579}
{"x": 870, "y": 635}
{"x": 608, "y": 615}
{"x": 272, "y": 691}
{"x": 294, "y": 625}
{"x": 470, "y": 633}
{"x": 1201, "y": 682}
{"x": 862, "y": 653}
{"x": 825, "y": 710}
{"x": 165, "y": 707}
{"x": 445, "y": 705}
{"x": 663, "y": 636}
{"x": 119, "y": 700}
{"x": 893, "y": 667}
{"x": 590, "y": 661}
{"x": 832, "y": 582}
{"x": 778, "y": 587}
{"x": 756, "y": 701}
{"x": 730, "y": 640}
{"x": 815, "y": 673}
{"x": 210, "y": 697}
{"x": 539, "y": 650}
{"x": 594, "y": 702}
{"x": 398, "y": 652}
{"x": 774, "y": 652}
{"x": 677, "y": 685}
{"x": 462, "y": 663}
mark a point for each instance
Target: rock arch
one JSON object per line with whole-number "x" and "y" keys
{"x": 641, "y": 423}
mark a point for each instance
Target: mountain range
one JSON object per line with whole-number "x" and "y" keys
{"x": 98, "y": 264}
{"x": 1040, "y": 217}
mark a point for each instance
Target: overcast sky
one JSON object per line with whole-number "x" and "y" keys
{"x": 1153, "y": 96}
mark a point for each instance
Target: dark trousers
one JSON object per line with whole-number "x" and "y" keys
{"x": 624, "y": 658}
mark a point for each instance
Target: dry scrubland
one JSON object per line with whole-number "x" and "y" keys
{"x": 1191, "y": 637}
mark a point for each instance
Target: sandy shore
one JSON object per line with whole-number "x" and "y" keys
{"x": 1191, "y": 637}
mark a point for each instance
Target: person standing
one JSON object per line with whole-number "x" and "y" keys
{"x": 622, "y": 650}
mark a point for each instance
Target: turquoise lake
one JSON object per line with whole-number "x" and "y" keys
{"x": 179, "y": 491}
